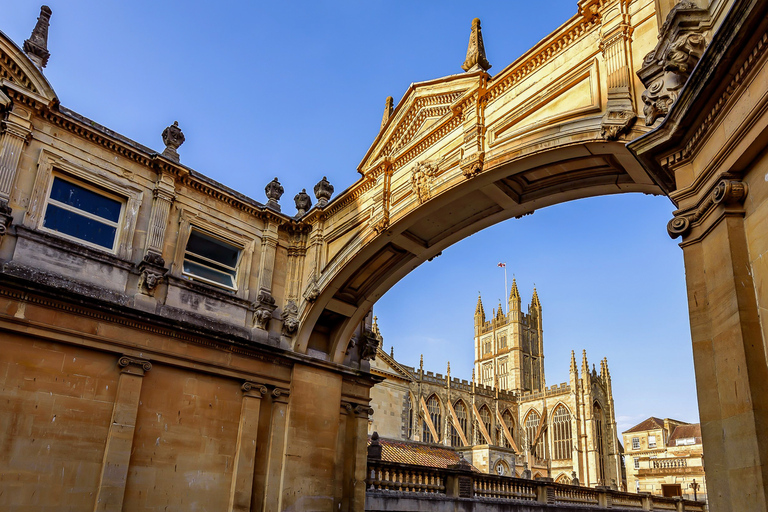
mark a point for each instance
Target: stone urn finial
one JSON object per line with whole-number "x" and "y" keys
{"x": 303, "y": 202}
{"x": 274, "y": 191}
{"x": 172, "y": 138}
{"x": 323, "y": 192}
{"x": 476, "y": 60}
{"x": 36, "y": 47}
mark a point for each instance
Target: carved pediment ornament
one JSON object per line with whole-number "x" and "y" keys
{"x": 173, "y": 138}
{"x": 153, "y": 270}
{"x": 421, "y": 179}
{"x": 726, "y": 192}
{"x": 6, "y": 217}
{"x": 290, "y": 316}
{"x": 265, "y": 306}
{"x": 666, "y": 69}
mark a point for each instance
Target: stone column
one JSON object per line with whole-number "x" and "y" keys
{"x": 117, "y": 454}
{"x": 245, "y": 451}
{"x": 357, "y": 454}
{"x": 728, "y": 349}
{"x": 17, "y": 130}
{"x": 340, "y": 496}
{"x": 276, "y": 448}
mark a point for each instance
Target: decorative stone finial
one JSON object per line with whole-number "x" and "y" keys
{"x": 323, "y": 192}
{"x": 374, "y": 449}
{"x": 476, "y": 50}
{"x": 303, "y": 202}
{"x": 36, "y": 47}
{"x": 388, "y": 107}
{"x": 172, "y": 138}
{"x": 274, "y": 191}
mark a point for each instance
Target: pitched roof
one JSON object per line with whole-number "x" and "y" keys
{"x": 684, "y": 432}
{"x": 420, "y": 454}
{"x": 649, "y": 424}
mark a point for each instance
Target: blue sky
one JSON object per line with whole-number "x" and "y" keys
{"x": 296, "y": 90}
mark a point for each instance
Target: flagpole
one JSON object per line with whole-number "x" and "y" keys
{"x": 505, "y": 288}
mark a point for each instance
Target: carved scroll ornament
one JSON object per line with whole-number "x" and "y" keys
{"x": 726, "y": 192}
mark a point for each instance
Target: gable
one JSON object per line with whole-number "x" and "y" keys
{"x": 424, "y": 109}
{"x": 16, "y": 67}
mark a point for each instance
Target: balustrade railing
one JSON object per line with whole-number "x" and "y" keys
{"x": 390, "y": 479}
{"x": 670, "y": 463}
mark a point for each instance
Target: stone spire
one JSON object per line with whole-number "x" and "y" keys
{"x": 573, "y": 362}
{"x": 476, "y": 50}
{"x": 479, "y": 308}
{"x": 535, "y": 300}
{"x": 388, "y": 107}
{"x": 584, "y": 364}
{"x": 514, "y": 293}
{"x": 36, "y": 47}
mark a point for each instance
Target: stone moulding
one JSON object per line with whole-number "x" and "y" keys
{"x": 727, "y": 192}
{"x": 127, "y": 361}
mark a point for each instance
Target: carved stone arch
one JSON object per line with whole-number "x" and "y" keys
{"x": 16, "y": 67}
{"x": 562, "y": 478}
{"x": 558, "y": 404}
{"x": 501, "y": 462}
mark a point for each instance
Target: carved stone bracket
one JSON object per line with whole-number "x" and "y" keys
{"x": 265, "y": 306}
{"x": 359, "y": 410}
{"x": 153, "y": 270}
{"x": 666, "y": 69}
{"x": 290, "y": 316}
{"x": 365, "y": 344}
{"x": 616, "y": 123}
{"x": 312, "y": 291}
{"x": 134, "y": 365}
{"x": 421, "y": 179}
{"x": 6, "y": 217}
{"x": 726, "y": 192}
{"x": 473, "y": 164}
{"x": 380, "y": 223}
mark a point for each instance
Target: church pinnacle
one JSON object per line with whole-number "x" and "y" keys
{"x": 535, "y": 299}
{"x": 476, "y": 50}
{"x": 514, "y": 293}
{"x": 479, "y": 308}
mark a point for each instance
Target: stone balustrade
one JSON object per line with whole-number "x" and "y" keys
{"x": 403, "y": 487}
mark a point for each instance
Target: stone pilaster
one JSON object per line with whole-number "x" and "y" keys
{"x": 616, "y": 36}
{"x": 276, "y": 448}
{"x": 245, "y": 451}
{"x": 164, "y": 195}
{"x": 117, "y": 453}
{"x": 17, "y": 131}
{"x": 265, "y": 303}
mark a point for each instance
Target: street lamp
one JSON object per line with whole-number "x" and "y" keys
{"x": 695, "y": 488}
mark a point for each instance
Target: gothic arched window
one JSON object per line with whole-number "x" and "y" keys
{"x": 461, "y": 414}
{"x": 561, "y": 430}
{"x": 597, "y": 412}
{"x": 409, "y": 415}
{"x": 531, "y": 428}
{"x": 485, "y": 415}
{"x": 433, "y": 407}
{"x": 510, "y": 424}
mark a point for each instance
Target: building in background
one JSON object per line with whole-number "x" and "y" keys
{"x": 665, "y": 457}
{"x": 505, "y": 418}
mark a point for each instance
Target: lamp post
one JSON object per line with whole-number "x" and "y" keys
{"x": 695, "y": 486}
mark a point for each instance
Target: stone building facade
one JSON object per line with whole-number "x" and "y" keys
{"x": 665, "y": 457}
{"x": 508, "y": 419}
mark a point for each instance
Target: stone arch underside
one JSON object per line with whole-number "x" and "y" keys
{"x": 513, "y": 189}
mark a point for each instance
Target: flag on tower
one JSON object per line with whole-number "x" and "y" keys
{"x": 502, "y": 265}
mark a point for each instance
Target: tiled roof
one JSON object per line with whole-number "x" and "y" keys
{"x": 684, "y": 432}
{"x": 420, "y": 454}
{"x": 649, "y": 424}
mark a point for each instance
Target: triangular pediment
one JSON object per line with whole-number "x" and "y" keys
{"x": 425, "y": 107}
{"x": 385, "y": 365}
{"x": 16, "y": 67}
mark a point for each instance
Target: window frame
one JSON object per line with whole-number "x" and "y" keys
{"x": 99, "y": 174}
{"x": 651, "y": 444}
{"x": 635, "y": 443}
{"x": 196, "y": 278}
{"x": 123, "y": 200}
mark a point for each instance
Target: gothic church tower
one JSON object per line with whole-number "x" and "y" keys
{"x": 509, "y": 347}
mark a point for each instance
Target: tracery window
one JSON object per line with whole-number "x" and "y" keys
{"x": 485, "y": 415}
{"x": 561, "y": 429}
{"x": 503, "y": 341}
{"x": 531, "y": 428}
{"x": 461, "y": 414}
{"x": 409, "y": 408}
{"x": 433, "y": 407}
{"x": 509, "y": 422}
{"x": 487, "y": 345}
{"x": 598, "y": 419}
{"x": 503, "y": 371}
